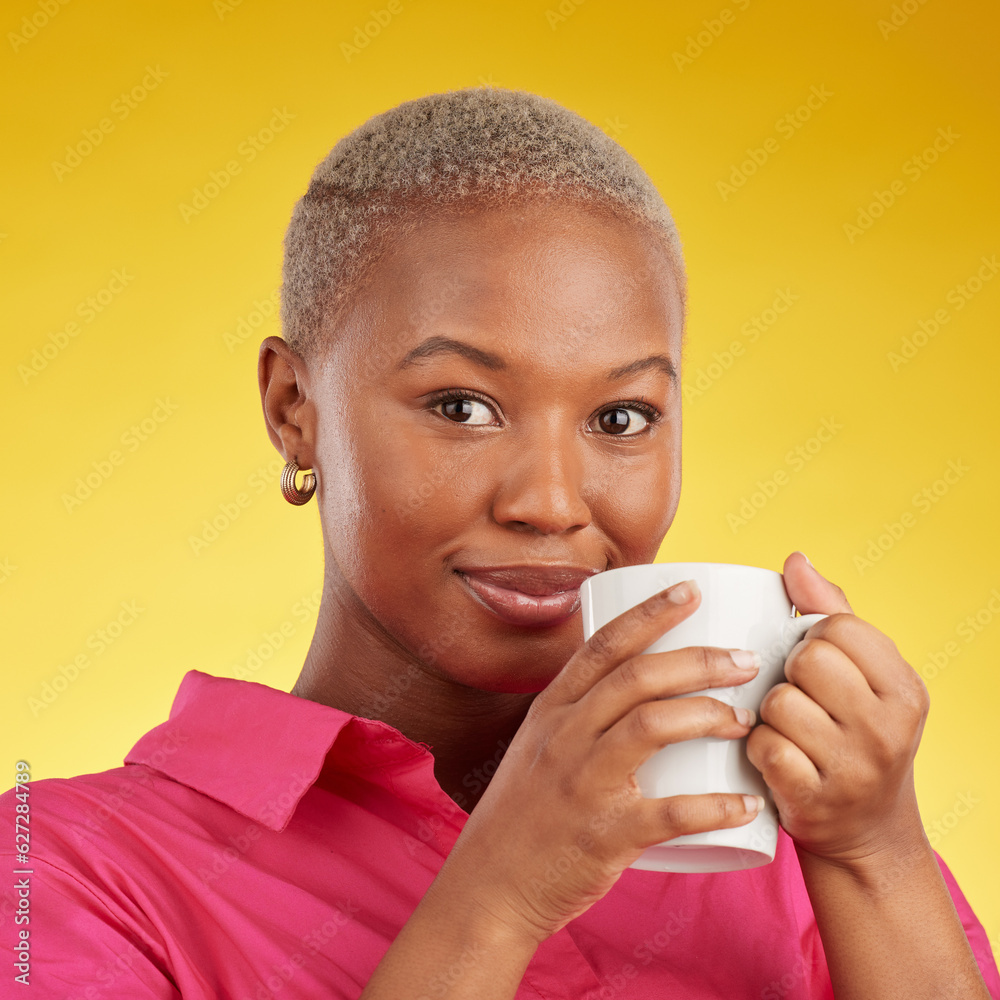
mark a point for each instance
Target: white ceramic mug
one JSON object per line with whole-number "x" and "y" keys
{"x": 742, "y": 607}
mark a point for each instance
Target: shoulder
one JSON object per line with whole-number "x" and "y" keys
{"x": 113, "y": 815}
{"x": 79, "y": 889}
{"x": 120, "y": 841}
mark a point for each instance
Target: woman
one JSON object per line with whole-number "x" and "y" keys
{"x": 483, "y": 309}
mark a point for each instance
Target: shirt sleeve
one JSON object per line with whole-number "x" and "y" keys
{"x": 78, "y": 949}
{"x": 974, "y": 931}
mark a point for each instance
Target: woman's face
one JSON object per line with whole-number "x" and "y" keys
{"x": 498, "y": 417}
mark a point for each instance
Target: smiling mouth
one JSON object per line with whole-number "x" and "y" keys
{"x": 532, "y": 596}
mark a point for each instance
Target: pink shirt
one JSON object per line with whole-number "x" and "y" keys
{"x": 215, "y": 865}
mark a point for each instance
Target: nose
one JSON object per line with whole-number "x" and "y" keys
{"x": 540, "y": 486}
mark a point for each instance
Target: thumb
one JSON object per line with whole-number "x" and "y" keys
{"x": 809, "y": 590}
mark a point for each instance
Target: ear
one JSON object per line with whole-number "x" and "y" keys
{"x": 289, "y": 410}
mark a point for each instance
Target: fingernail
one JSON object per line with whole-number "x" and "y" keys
{"x": 753, "y": 803}
{"x": 804, "y": 556}
{"x": 745, "y": 716}
{"x": 683, "y": 592}
{"x": 745, "y": 659}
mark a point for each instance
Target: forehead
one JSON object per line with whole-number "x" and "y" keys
{"x": 546, "y": 274}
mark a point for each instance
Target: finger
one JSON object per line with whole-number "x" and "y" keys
{"x": 870, "y": 651}
{"x": 650, "y": 676}
{"x": 657, "y": 820}
{"x": 785, "y": 767}
{"x": 655, "y": 724}
{"x": 831, "y": 679}
{"x": 809, "y": 590}
{"x": 622, "y": 638}
{"x": 790, "y": 712}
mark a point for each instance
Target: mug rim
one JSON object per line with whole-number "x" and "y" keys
{"x": 634, "y": 566}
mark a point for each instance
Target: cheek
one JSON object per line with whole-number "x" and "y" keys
{"x": 423, "y": 491}
{"x": 394, "y": 500}
{"x": 396, "y": 508}
{"x": 635, "y": 505}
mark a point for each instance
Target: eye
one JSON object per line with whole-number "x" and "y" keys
{"x": 626, "y": 419}
{"x": 463, "y": 409}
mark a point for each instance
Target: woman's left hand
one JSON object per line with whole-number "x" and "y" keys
{"x": 836, "y": 743}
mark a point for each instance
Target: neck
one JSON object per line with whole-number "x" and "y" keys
{"x": 354, "y": 665}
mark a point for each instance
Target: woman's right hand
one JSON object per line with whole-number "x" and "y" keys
{"x": 563, "y": 815}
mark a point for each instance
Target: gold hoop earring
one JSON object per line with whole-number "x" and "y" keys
{"x": 290, "y": 491}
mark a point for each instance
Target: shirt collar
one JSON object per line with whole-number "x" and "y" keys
{"x": 258, "y": 750}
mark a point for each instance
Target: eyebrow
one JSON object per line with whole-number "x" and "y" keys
{"x": 493, "y": 362}
{"x": 439, "y": 345}
{"x": 658, "y": 361}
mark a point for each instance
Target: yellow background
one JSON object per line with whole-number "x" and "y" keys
{"x": 221, "y": 70}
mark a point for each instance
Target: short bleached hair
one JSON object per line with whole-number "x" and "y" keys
{"x": 481, "y": 146}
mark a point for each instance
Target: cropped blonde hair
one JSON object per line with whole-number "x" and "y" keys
{"x": 480, "y": 146}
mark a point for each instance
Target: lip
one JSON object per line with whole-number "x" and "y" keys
{"x": 528, "y": 595}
